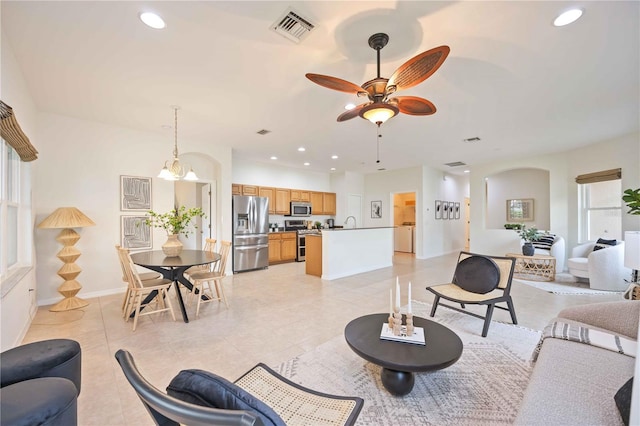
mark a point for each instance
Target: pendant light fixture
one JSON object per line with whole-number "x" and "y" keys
{"x": 172, "y": 169}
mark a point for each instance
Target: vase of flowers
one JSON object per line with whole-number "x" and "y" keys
{"x": 178, "y": 221}
{"x": 529, "y": 235}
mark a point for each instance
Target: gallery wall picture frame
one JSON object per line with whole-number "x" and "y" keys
{"x": 376, "y": 209}
{"x": 520, "y": 210}
{"x": 450, "y": 210}
{"x": 135, "y": 193}
{"x": 438, "y": 209}
{"x": 456, "y": 209}
{"x": 135, "y": 234}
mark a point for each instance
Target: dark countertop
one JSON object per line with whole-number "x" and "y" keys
{"x": 358, "y": 229}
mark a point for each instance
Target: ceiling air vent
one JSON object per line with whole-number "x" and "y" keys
{"x": 473, "y": 139}
{"x": 292, "y": 26}
{"x": 263, "y": 132}
{"x": 455, "y": 164}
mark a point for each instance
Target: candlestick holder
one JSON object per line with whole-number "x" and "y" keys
{"x": 409, "y": 324}
{"x": 390, "y": 320}
{"x": 397, "y": 323}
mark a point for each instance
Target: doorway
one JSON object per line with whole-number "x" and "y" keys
{"x": 203, "y": 195}
{"x": 404, "y": 220}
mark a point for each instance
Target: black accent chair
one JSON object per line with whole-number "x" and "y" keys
{"x": 40, "y": 383}
{"x": 202, "y": 398}
{"x": 478, "y": 280}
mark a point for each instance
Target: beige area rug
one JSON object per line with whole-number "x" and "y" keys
{"x": 564, "y": 284}
{"x": 485, "y": 386}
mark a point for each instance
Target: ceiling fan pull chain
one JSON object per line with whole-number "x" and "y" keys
{"x": 378, "y": 145}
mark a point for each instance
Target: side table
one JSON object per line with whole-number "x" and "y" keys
{"x": 538, "y": 267}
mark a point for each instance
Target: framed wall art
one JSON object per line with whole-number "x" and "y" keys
{"x": 438, "y": 209}
{"x": 134, "y": 233}
{"x": 520, "y": 210}
{"x": 456, "y": 210}
{"x": 450, "y": 210}
{"x": 135, "y": 193}
{"x": 376, "y": 209}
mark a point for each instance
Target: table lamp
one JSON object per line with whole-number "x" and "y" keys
{"x": 67, "y": 218}
{"x": 632, "y": 253}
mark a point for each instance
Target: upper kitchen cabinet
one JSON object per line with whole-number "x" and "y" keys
{"x": 236, "y": 189}
{"x": 283, "y": 201}
{"x": 269, "y": 193}
{"x": 317, "y": 203}
{"x": 299, "y": 195}
{"x": 329, "y": 203}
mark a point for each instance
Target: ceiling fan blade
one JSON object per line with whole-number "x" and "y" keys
{"x": 418, "y": 68}
{"x": 413, "y": 105}
{"x": 348, "y": 115}
{"x": 335, "y": 83}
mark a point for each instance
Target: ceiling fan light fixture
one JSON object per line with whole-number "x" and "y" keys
{"x": 378, "y": 112}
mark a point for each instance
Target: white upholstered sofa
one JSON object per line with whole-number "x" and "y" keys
{"x": 603, "y": 268}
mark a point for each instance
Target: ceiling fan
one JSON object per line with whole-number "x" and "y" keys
{"x": 380, "y": 106}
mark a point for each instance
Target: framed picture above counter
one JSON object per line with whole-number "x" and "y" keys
{"x": 376, "y": 209}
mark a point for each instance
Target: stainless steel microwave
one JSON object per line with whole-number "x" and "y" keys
{"x": 300, "y": 209}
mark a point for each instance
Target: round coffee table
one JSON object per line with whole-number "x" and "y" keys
{"x": 399, "y": 360}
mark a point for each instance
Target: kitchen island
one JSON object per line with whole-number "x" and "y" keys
{"x": 338, "y": 253}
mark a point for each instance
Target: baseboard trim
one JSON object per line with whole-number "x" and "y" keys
{"x": 90, "y": 295}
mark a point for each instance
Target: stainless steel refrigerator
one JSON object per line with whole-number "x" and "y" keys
{"x": 250, "y": 233}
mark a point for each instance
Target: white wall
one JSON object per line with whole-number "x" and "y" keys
{"x": 563, "y": 167}
{"x": 274, "y": 175}
{"x": 518, "y": 184}
{"x": 80, "y": 165}
{"x": 18, "y": 306}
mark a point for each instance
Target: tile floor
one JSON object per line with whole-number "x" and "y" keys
{"x": 274, "y": 315}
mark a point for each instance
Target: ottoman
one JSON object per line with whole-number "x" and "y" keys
{"x": 48, "y": 358}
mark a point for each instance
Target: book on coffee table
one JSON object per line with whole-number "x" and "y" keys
{"x": 417, "y": 338}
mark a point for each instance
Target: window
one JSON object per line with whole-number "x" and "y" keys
{"x": 601, "y": 210}
{"x": 15, "y": 211}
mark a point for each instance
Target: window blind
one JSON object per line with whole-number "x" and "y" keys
{"x": 602, "y": 176}
{"x": 12, "y": 133}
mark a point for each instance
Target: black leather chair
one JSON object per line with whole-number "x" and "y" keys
{"x": 40, "y": 383}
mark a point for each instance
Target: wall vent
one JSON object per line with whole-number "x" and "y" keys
{"x": 473, "y": 139}
{"x": 263, "y": 132}
{"x": 292, "y": 26}
{"x": 455, "y": 164}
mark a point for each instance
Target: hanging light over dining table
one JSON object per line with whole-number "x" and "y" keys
{"x": 172, "y": 169}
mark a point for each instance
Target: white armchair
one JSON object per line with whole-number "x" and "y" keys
{"x": 603, "y": 268}
{"x": 556, "y": 250}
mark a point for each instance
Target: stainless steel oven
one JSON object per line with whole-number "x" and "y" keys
{"x": 300, "y": 226}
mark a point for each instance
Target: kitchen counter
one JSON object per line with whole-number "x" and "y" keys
{"x": 356, "y": 229}
{"x": 338, "y": 253}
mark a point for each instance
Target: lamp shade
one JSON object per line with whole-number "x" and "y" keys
{"x": 632, "y": 249}
{"x": 378, "y": 112}
{"x": 66, "y": 217}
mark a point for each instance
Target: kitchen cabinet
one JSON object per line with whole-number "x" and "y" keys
{"x": 317, "y": 203}
{"x": 329, "y": 203}
{"x": 236, "y": 189}
{"x": 249, "y": 190}
{"x": 283, "y": 201}
{"x": 282, "y": 247}
{"x": 269, "y": 193}
{"x": 313, "y": 261}
{"x": 300, "y": 195}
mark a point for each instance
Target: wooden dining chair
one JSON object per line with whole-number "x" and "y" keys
{"x": 145, "y": 276}
{"x": 140, "y": 289}
{"x": 210, "y": 246}
{"x": 202, "y": 280}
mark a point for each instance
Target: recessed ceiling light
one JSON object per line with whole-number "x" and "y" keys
{"x": 334, "y": 157}
{"x": 273, "y": 157}
{"x": 349, "y": 106}
{"x": 467, "y": 171}
{"x": 567, "y": 17}
{"x": 152, "y": 20}
{"x": 306, "y": 164}
{"x": 333, "y": 169}
{"x": 302, "y": 149}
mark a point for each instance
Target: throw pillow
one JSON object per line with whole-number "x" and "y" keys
{"x": 545, "y": 242}
{"x": 602, "y": 244}
{"x": 623, "y": 400}
{"x": 203, "y": 388}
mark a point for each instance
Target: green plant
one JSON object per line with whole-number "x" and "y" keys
{"x": 177, "y": 221}
{"x": 515, "y": 226}
{"x": 529, "y": 235}
{"x": 632, "y": 198}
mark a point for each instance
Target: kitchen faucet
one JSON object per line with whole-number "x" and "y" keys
{"x": 354, "y": 221}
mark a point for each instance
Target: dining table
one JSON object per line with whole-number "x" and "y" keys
{"x": 173, "y": 268}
